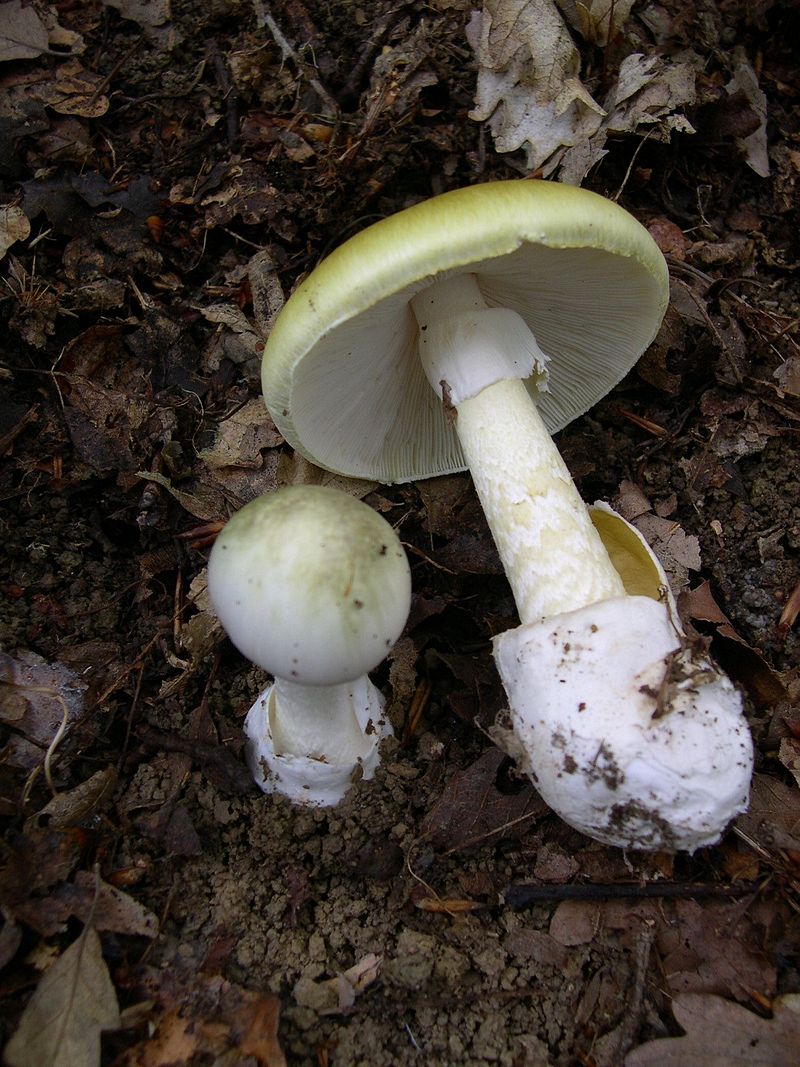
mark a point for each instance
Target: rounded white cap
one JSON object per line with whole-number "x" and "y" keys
{"x": 310, "y": 584}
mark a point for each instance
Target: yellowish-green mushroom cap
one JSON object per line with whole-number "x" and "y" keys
{"x": 341, "y": 374}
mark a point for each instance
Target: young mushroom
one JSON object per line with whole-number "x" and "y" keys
{"x": 461, "y": 333}
{"x": 314, "y": 587}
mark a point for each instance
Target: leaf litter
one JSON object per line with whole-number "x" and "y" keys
{"x": 157, "y": 204}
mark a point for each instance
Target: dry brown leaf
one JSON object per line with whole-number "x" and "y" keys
{"x": 773, "y": 818}
{"x": 744, "y": 663}
{"x": 575, "y": 922}
{"x": 72, "y": 806}
{"x": 714, "y": 948}
{"x": 720, "y": 1033}
{"x": 255, "y": 1028}
{"x": 74, "y": 1001}
{"x": 472, "y": 809}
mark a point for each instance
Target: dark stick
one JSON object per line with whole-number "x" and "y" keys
{"x": 521, "y": 896}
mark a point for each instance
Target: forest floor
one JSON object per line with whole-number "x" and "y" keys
{"x": 167, "y": 174}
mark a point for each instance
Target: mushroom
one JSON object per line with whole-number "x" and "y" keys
{"x": 461, "y": 333}
{"x": 627, "y": 728}
{"x": 314, "y": 587}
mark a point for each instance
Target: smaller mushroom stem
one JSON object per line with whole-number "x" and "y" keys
{"x": 321, "y": 722}
{"x": 476, "y": 357}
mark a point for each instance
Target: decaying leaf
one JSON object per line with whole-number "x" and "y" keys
{"x": 74, "y": 1001}
{"x": 530, "y": 92}
{"x": 597, "y": 21}
{"x": 528, "y": 86}
{"x": 773, "y": 818}
{"x": 145, "y": 12}
{"x": 22, "y": 32}
{"x": 108, "y": 907}
{"x": 472, "y": 809}
{"x": 14, "y": 226}
{"x": 41, "y": 700}
{"x": 337, "y": 994}
{"x": 203, "y": 1018}
{"x": 720, "y": 1033}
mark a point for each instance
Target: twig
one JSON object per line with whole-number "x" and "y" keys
{"x": 229, "y": 94}
{"x": 633, "y": 1009}
{"x": 264, "y": 18}
{"x": 520, "y": 896}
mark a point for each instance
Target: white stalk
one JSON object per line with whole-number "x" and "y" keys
{"x": 474, "y": 357}
{"x": 320, "y": 721}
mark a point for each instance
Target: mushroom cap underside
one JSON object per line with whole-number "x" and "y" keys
{"x": 341, "y": 375}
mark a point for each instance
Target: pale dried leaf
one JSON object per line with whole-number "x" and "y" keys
{"x": 528, "y": 86}
{"x": 338, "y": 994}
{"x": 14, "y": 224}
{"x": 241, "y": 437}
{"x": 720, "y": 1033}
{"x": 649, "y": 94}
{"x": 596, "y": 20}
{"x": 22, "y": 33}
{"x": 754, "y": 147}
{"x": 74, "y": 1001}
{"x": 145, "y": 12}
{"x": 265, "y": 285}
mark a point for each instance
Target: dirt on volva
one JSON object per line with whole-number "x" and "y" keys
{"x": 169, "y": 172}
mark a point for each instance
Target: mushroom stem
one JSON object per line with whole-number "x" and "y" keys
{"x": 552, "y": 554}
{"x": 475, "y": 357}
{"x": 320, "y": 721}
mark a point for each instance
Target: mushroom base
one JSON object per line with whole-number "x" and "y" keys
{"x": 629, "y": 735}
{"x": 309, "y": 780}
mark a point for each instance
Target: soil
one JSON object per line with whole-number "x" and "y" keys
{"x": 133, "y": 316}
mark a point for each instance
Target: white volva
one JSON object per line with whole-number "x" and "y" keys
{"x": 628, "y": 732}
{"x": 314, "y": 587}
